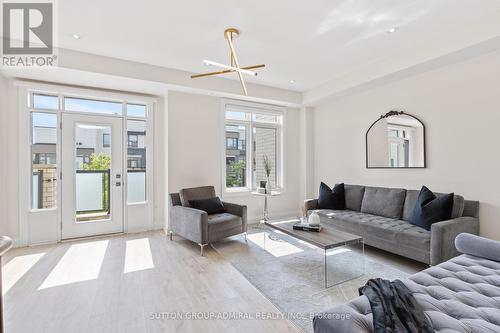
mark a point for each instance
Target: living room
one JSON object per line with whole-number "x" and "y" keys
{"x": 203, "y": 166}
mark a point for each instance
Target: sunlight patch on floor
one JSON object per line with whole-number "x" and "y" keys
{"x": 138, "y": 255}
{"x": 15, "y": 269}
{"x": 276, "y": 248}
{"x": 82, "y": 262}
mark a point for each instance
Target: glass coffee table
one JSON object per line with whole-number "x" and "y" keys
{"x": 334, "y": 243}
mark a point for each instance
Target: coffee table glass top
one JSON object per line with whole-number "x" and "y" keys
{"x": 341, "y": 264}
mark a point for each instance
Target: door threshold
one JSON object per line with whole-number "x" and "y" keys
{"x": 91, "y": 237}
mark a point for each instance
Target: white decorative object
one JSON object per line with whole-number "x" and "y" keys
{"x": 268, "y": 186}
{"x": 313, "y": 219}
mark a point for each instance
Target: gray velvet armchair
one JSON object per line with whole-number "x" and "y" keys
{"x": 199, "y": 227}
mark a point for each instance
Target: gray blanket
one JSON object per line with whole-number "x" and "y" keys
{"x": 394, "y": 308}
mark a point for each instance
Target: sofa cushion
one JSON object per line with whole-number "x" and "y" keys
{"x": 211, "y": 205}
{"x": 411, "y": 200}
{"x": 458, "y": 205}
{"x": 196, "y": 193}
{"x": 219, "y": 224}
{"x": 353, "y": 196}
{"x": 331, "y": 198}
{"x": 431, "y": 209}
{"x": 459, "y": 295}
{"x": 387, "y": 202}
{"x": 368, "y": 225}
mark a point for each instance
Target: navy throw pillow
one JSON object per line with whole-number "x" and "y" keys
{"x": 331, "y": 198}
{"x": 211, "y": 206}
{"x": 430, "y": 208}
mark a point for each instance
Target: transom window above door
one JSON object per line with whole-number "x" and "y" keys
{"x": 253, "y": 145}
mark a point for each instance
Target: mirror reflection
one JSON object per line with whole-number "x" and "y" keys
{"x": 396, "y": 140}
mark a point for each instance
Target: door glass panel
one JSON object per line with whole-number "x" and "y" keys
{"x": 93, "y": 168}
{"x": 136, "y": 161}
{"x": 92, "y": 106}
{"x": 44, "y": 160}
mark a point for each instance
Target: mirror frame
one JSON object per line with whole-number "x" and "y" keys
{"x": 387, "y": 115}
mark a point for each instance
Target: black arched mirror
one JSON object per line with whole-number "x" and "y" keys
{"x": 396, "y": 140}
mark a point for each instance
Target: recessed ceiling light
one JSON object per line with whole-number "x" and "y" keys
{"x": 393, "y": 30}
{"x": 292, "y": 81}
{"x": 75, "y": 36}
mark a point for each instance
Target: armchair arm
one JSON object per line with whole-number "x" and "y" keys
{"x": 238, "y": 210}
{"x": 310, "y": 204}
{"x": 443, "y": 237}
{"x": 189, "y": 223}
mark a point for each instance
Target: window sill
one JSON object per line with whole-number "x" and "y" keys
{"x": 140, "y": 203}
{"x": 248, "y": 192}
{"x": 244, "y": 191}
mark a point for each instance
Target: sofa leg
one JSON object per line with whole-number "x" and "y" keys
{"x": 202, "y": 246}
{"x": 171, "y": 235}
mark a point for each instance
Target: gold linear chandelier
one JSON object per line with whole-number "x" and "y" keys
{"x": 230, "y": 34}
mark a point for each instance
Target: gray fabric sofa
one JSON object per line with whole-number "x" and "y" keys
{"x": 380, "y": 215}
{"x": 196, "y": 225}
{"x": 459, "y": 295}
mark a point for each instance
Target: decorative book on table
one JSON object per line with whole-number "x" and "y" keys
{"x": 307, "y": 227}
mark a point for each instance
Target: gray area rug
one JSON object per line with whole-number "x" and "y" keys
{"x": 290, "y": 272}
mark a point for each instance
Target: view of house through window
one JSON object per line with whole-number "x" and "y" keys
{"x": 252, "y": 142}
{"x": 236, "y": 158}
{"x": 44, "y": 160}
{"x": 93, "y": 164}
{"x": 136, "y": 162}
{"x": 265, "y": 155}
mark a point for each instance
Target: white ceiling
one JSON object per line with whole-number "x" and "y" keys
{"x": 311, "y": 42}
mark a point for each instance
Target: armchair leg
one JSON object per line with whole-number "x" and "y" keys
{"x": 202, "y": 246}
{"x": 171, "y": 235}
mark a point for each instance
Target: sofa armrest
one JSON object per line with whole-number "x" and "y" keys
{"x": 238, "y": 210}
{"x": 443, "y": 237}
{"x": 478, "y": 246}
{"x": 310, "y": 204}
{"x": 189, "y": 223}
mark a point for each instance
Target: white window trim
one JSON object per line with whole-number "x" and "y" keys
{"x": 249, "y": 124}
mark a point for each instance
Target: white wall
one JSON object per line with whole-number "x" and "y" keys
{"x": 3, "y": 152}
{"x": 460, "y": 107}
{"x": 195, "y": 149}
{"x": 9, "y": 217}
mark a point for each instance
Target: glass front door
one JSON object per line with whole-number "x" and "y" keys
{"x": 92, "y": 175}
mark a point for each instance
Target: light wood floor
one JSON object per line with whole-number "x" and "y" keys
{"x": 116, "y": 284}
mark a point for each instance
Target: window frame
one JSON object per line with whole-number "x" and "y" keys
{"x": 250, "y": 108}
{"x": 92, "y": 95}
{"x": 31, "y": 110}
